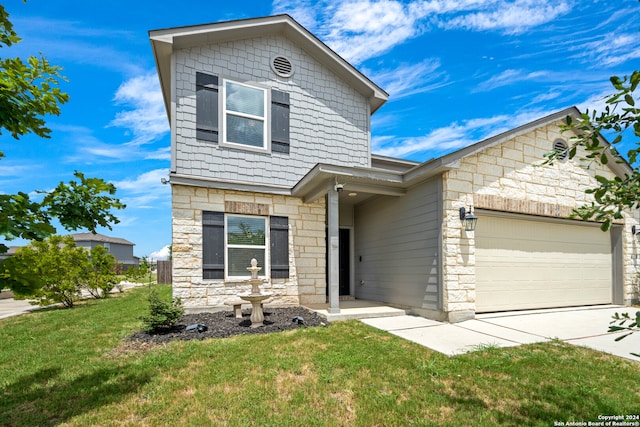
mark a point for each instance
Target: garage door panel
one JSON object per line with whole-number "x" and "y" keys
{"x": 524, "y": 264}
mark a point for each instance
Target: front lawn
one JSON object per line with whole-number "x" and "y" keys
{"x": 75, "y": 367}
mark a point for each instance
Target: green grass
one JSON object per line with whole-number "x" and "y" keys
{"x": 73, "y": 367}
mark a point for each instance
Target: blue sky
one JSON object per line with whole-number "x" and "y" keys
{"x": 457, "y": 71}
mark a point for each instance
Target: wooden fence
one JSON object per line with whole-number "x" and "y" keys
{"x": 164, "y": 272}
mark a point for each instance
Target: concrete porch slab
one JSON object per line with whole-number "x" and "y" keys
{"x": 356, "y": 309}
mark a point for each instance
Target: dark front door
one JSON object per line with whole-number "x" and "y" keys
{"x": 344, "y": 262}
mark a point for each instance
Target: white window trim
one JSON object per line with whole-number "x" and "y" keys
{"x": 266, "y": 146}
{"x": 264, "y": 273}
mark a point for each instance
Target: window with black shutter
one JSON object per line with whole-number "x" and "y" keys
{"x": 244, "y": 240}
{"x": 212, "y": 245}
{"x": 242, "y": 122}
{"x": 207, "y": 107}
{"x": 279, "y": 121}
{"x": 279, "y": 245}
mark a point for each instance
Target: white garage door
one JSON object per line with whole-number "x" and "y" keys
{"x": 523, "y": 264}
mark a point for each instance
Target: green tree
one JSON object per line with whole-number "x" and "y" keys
{"x": 138, "y": 272}
{"x": 49, "y": 272}
{"x": 99, "y": 276}
{"x": 621, "y": 116}
{"x": 30, "y": 90}
{"x": 612, "y": 196}
{"x": 162, "y": 314}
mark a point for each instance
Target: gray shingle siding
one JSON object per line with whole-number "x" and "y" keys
{"x": 398, "y": 239}
{"x": 329, "y": 121}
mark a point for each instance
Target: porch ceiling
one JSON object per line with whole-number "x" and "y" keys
{"x": 365, "y": 182}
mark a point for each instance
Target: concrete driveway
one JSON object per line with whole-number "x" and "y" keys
{"x": 11, "y": 307}
{"x": 585, "y": 326}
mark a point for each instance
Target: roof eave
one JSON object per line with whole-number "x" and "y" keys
{"x": 164, "y": 41}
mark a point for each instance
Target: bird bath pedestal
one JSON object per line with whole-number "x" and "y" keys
{"x": 255, "y": 297}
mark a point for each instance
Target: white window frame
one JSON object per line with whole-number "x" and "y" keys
{"x": 266, "y": 141}
{"x": 264, "y": 273}
{"x": 107, "y": 246}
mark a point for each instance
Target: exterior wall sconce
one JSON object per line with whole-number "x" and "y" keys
{"x": 469, "y": 219}
{"x": 635, "y": 230}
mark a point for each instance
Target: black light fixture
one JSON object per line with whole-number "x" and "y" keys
{"x": 635, "y": 230}
{"x": 469, "y": 219}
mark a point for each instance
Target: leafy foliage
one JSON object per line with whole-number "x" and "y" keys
{"x": 99, "y": 276}
{"x": 621, "y": 320}
{"x": 620, "y": 116}
{"x": 29, "y": 90}
{"x": 49, "y": 272}
{"x": 162, "y": 314}
{"x": 138, "y": 272}
{"x": 83, "y": 204}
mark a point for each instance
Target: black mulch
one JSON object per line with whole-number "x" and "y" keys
{"x": 224, "y": 324}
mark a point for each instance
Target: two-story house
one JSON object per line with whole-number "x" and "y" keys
{"x": 120, "y": 248}
{"x": 271, "y": 159}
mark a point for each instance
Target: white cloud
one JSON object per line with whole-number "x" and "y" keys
{"x": 611, "y": 49}
{"x": 509, "y": 77}
{"x": 14, "y": 169}
{"x": 147, "y": 120}
{"x": 453, "y": 137}
{"x": 362, "y": 29}
{"x": 410, "y": 79}
{"x": 511, "y": 17}
{"x": 144, "y": 182}
{"x": 302, "y": 11}
{"x": 146, "y": 190}
{"x": 74, "y": 41}
{"x": 160, "y": 255}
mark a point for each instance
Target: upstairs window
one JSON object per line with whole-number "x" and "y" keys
{"x": 239, "y": 115}
{"x": 244, "y": 112}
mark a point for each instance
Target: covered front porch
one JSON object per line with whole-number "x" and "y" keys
{"x": 344, "y": 188}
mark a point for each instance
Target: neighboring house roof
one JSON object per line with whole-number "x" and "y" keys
{"x": 11, "y": 251}
{"x": 395, "y": 182}
{"x": 164, "y": 41}
{"x": 90, "y": 237}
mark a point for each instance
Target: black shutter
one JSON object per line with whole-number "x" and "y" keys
{"x": 212, "y": 245}
{"x": 279, "y": 247}
{"x": 279, "y": 121}
{"x": 207, "y": 107}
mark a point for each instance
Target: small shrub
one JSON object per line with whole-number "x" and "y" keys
{"x": 162, "y": 314}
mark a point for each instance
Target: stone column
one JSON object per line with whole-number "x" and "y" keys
{"x": 333, "y": 248}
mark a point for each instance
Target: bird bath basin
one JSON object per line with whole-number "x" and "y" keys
{"x": 255, "y": 297}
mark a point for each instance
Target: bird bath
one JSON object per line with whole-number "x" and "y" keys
{"x": 255, "y": 297}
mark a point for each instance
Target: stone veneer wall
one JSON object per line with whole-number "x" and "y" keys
{"x": 306, "y": 283}
{"x": 504, "y": 177}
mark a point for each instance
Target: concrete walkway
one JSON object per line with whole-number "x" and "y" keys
{"x": 11, "y": 307}
{"x": 584, "y": 326}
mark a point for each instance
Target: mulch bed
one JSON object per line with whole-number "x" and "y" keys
{"x": 224, "y": 324}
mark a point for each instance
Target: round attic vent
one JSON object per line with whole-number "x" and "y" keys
{"x": 282, "y": 66}
{"x": 561, "y": 147}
